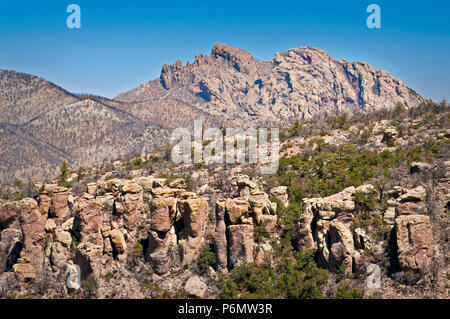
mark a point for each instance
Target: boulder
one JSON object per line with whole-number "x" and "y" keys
{"x": 25, "y": 269}
{"x": 50, "y": 225}
{"x": 118, "y": 241}
{"x": 414, "y": 195}
{"x": 178, "y": 183}
{"x": 235, "y": 209}
{"x": 389, "y": 135}
{"x": 64, "y": 237}
{"x": 59, "y": 207}
{"x": 130, "y": 187}
{"x": 281, "y": 194}
{"x": 195, "y": 287}
{"x": 59, "y": 254}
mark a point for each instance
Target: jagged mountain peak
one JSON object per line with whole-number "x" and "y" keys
{"x": 297, "y": 83}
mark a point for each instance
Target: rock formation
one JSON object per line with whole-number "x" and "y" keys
{"x": 295, "y": 84}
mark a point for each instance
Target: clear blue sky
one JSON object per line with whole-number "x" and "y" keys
{"x": 122, "y": 43}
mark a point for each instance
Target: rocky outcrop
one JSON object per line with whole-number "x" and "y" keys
{"x": 32, "y": 223}
{"x": 11, "y": 243}
{"x": 414, "y": 240}
{"x": 241, "y": 245}
{"x": 235, "y": 221}
{"x": 59, "y": 207}
{"x": 325, "y": 225}
{"x": 220, "y": 236}
{"x": 193, "y": 212}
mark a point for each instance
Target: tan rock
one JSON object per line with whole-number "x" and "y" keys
{"x": 411, "y": 208}
{"x": 64, "y": 238}
{"x": 128, "y": 208}
{"x": 178, "y": 183}
{"x": 220, "y": 236}
{"x": 158, "y": 249}
{"x": 281, "y": 194}
{"x": 235, "y": 208}
{"x": 44, "y": 204}
{"x": 33, "y": 229}
{"x": 50, "y": 225}
{"x": 414, "y": 241}
{"x": 25, "y": 270}
{"x": 59, "y": 254}
{"x": 130, "y": 187}
{"x": 165, "y": 192}
{"x": 90, "y": 220}
{"x": 162, "y": 213}
{"x": 414, "y": 195}
{"x": 241, "y": 245}
{"x": 263, "y": 255}
{"x": 305, "y": 238}
{"x": 59, "y": 207}
{"x": 194, "y": 212}
{"x": 118, "y": 241}
{"x": 196, "y": 287}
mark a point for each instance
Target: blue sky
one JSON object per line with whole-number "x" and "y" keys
{"x": 122, "y": 43}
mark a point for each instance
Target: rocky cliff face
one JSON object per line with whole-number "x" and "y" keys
{"x": 295, "y": 84}
{"x": 116, "y": 220}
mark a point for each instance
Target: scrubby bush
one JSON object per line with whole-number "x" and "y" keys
{"x": 207, "y": 258}
{"x": 297, "y": 277}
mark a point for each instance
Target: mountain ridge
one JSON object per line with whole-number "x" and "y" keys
{"x": 43, "y": 124}
{"x": 294, "y": 84}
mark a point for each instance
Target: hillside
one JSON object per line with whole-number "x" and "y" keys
{"x": 359, "y": 208}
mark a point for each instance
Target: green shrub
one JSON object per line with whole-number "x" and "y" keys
{"x": 207, "y": 258}
{"x": 346, "y": 293}
{"x": 297, "y": 277}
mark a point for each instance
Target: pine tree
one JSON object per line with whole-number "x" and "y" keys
{"x": 62, "y": 179}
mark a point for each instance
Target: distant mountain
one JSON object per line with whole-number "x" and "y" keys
{"x": 295, "y": 84}
{"x": 41, "y": 124}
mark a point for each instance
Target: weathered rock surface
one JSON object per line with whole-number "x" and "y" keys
{"x": 196, "y": 287}
{"x": 414, "y": 242}
{"x": 241, "y": 244}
